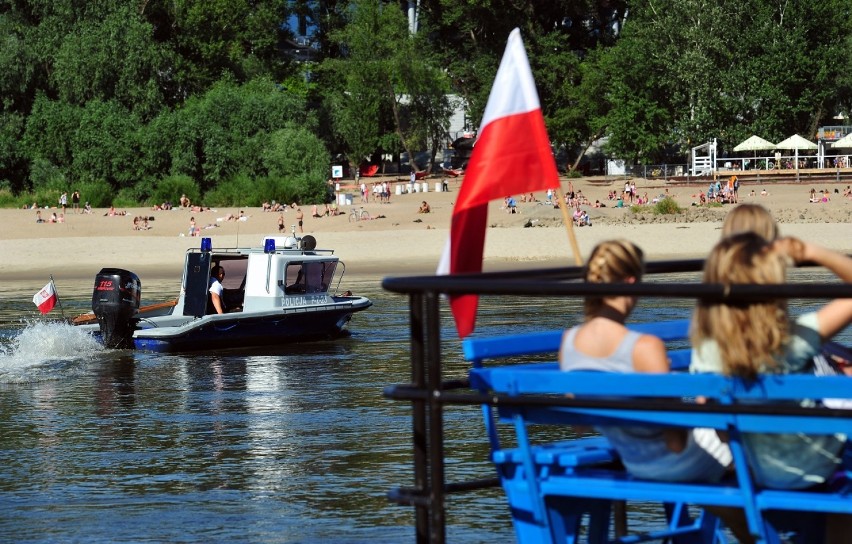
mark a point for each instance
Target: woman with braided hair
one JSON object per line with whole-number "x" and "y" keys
{"x": 603, "y": 343}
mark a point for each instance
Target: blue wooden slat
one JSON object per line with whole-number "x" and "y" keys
{"x": 477, "y": 349}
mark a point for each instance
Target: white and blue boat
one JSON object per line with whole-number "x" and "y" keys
{"x": 278, "y": 293}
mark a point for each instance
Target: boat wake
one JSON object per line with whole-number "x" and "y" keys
{"x": 45, "y": 351}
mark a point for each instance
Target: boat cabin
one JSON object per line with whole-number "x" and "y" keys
{"x": 258, "y": 279}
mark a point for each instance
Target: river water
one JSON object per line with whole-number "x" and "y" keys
{"x": 288, "y": 444}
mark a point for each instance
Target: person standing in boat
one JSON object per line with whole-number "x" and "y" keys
{"x": 215, "y": 300}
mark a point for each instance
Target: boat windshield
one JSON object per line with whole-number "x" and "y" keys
{"x": 309, "y": 277}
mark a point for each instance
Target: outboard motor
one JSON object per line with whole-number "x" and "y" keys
{"x": 115, "y": 302}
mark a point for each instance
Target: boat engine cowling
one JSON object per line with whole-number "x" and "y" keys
{"x": 115, "y": 302}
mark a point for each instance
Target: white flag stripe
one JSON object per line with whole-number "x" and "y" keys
{"x": 513, "y": 73}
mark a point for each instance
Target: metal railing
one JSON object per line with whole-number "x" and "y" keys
{"x": 428, "y": 391}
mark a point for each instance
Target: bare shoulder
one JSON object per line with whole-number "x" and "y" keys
{"x": 649, "y": 355}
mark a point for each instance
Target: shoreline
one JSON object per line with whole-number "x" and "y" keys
{"x": 399, "y": 241}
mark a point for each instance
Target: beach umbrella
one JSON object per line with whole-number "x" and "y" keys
{"x": 846, "y": 141}
{"x": 754, "y": 143}
{"x": 796, "y": 142}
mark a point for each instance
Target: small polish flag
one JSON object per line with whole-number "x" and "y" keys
{"x": 511, "y": 156}
{"x": 46, "y": 298}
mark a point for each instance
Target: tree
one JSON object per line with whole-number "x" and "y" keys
{"x": 386, "y": 82}
{"x": 687, "y": 71}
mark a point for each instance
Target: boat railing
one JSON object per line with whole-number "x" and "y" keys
{"x": 281, "y": 250}
{"x": 430, "y": 391}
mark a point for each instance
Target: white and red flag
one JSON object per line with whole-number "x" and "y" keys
{"x": 46, "y": 298}
{"x": 512, "y": 155}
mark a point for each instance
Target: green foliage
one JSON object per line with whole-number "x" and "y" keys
{"x": 387, "y": 83}
{"x": 666, "y": 206}
{"x": 170, "y": 189}
{"x": 124, "y": 92}
{"x": 241, "y": 190}
{"x": 99, "y": 194}
{"x": 9, "y": 200}
{"x": 103, "y": 144}
{"x": 47, "y": 177}
{"x": 574, "y": 174}
{"x": 223, "y": 132}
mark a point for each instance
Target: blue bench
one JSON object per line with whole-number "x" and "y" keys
{"x": 551, "y": 487}
{"x": 571, "y": 454}
{"x": 635, "y": 400}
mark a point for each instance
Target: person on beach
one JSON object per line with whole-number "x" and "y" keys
{"x": 193, "y": 229}
{"x": 38, "y": 217}
{"x": 63, "y": 201}
{"x": 280, "y": 222}
{"x": 424, "y": 207}
{"x": 300, "y": 216}
{"x": 748, "y": 339}
{"x": 75, "y": 201}
{"x": 603, "y": 343}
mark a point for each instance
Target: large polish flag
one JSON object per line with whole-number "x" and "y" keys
{"x": 46, "y": 298}
{"x": 511, "y": 156}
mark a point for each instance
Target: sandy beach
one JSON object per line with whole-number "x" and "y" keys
{"x": 400, "y": 241}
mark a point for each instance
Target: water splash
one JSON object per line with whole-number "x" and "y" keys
{"x": 45, "y": 350}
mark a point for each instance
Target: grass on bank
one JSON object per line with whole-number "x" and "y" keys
{"x": 665, "y": 206}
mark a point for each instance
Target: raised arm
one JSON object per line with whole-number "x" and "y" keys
{"x": 835, "y": 315}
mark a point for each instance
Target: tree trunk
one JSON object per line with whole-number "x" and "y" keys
{"x": 398, "y": 125}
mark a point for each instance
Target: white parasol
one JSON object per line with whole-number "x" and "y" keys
{"x": 846, "y": 141}
{"x": 754, "y": 143}
{"x": 796, "y": 142}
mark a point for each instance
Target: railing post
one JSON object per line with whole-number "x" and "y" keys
{"x": 427, "y": 415}
{"x": 437, "y": 522}
{"x": 418, "y": 415}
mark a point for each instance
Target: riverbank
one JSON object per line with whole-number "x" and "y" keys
{"x": 398, "y": 240}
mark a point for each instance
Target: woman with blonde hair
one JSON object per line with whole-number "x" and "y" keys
{"x": 747, "y": 339}
{"x": 603, "y": 343}
{"x": 750, "y": 218}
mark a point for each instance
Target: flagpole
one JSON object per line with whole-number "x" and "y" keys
{"x": 569, "y": 225}
{"x": 58, "y": 300}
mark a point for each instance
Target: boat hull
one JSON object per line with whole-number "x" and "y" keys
{"x": 241, "y": 330}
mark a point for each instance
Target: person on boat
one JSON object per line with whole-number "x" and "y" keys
{"x": 215, "y": 302}
{"x": 760, "y": 338}
{"x": 603, "y": 343}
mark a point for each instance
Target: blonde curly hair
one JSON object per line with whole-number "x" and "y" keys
{"x": 611, "y": 261}
{"x": 751, "y": 335}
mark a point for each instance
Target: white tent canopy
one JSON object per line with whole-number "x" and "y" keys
{"x": 796, "y": 142}
{"x": 846, "y": 141}
{"x": 754, "y": 143}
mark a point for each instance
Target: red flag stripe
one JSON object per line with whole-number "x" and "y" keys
{"x": 511, "y": 156}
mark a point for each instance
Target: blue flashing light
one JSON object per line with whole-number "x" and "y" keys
{"x": 206, "y": 244}
{"x": 269, "y": 245}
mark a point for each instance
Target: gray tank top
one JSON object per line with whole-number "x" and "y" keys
{"x": 620, "y": 361}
